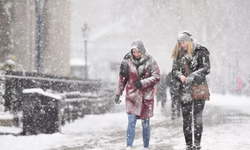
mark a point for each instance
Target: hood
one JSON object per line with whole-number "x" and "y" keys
{"x": 195, "y": 43}
{"x": 198, "y": 46}
{"x": 138, "y": 44}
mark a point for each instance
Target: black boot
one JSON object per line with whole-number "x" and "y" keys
{"x": 189, "y": 147}
{"x": 196, "y": 147}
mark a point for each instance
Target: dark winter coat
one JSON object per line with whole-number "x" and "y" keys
{"x": 173, "y": 84}
{"x": 139, "y": 102}
{"x": 162, "y": 88}
{"x": 198, "y": 65}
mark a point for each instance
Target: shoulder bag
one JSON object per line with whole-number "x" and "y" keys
{"x": 200, "y": 91}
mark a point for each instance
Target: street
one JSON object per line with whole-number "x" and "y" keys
{"x": 224, "y": 128}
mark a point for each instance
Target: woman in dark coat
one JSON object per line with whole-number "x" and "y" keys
{"x": 139, "y": 73}
{"x": 174, "y": 86}
{"x": 187, "y": 50}
{"x": 161, "y": 88}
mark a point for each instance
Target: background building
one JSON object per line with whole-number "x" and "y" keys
{"x": 20, "y": 30}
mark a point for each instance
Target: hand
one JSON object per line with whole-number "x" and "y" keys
{"x": 117, "y": 99}
{"x": 183, "y": 78}
{"x": 189, "y": 79}
{"x": 138, "y": 84}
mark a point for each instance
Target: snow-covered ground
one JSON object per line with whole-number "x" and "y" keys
{"x": 226, "y": 126}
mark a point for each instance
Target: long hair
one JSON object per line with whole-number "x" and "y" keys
{"x": 178, "y": 51}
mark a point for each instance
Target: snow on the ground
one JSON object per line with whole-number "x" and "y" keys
{"x": 98, "y": 129}
{"x": 241, "y": 103}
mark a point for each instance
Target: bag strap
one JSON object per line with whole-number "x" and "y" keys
{"x": 186, "y": 67}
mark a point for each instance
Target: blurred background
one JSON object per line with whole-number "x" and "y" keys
{"x": 88, "y": 39}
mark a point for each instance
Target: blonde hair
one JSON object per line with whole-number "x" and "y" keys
{"x": 178, "y": 51}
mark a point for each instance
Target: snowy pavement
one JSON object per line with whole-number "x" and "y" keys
{"x": 226, "y": 126}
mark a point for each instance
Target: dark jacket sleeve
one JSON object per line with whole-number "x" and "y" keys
{"x": 123, "y": 76}
{"x": 176, "y": 71}
{"x": 203, "y": 65}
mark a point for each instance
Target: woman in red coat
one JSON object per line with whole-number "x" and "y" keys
{"x": 139, "y": 73}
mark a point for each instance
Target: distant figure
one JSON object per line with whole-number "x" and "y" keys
{"x": 239, "y": 85}
{"x": 174, "y": 86}
{"x": 161, "y": 95}
{"x": 139, "y": 73}
{"x": 196, "y": 56}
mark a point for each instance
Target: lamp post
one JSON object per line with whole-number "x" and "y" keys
{"x": 85, "y": 36}
{"x": 39, "y": 9}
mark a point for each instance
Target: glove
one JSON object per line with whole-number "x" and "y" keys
{"x": 138, "y": 84}
{"x": 117, "y": 99}
{"x": 189, "y": 80}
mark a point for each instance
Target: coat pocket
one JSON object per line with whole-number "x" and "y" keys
{"x": 133, "y": 94}
{"x": 148, "y": 94}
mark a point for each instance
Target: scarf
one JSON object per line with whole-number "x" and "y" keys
{"x": 140, "y": 64}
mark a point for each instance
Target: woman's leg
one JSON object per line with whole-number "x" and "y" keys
{"x": 163, "y": 100}
{"x": 174, "y": 107}
{"x": 131, "y": 129}
{"x": 173, "y": 104}
{"x": 178, "y": 102}
{"x": 187, "y": 121}
{"x": 146, "y": 131}
{"x": 198, "y": 123}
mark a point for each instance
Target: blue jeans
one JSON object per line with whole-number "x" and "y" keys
{"x": 131, "y": 130}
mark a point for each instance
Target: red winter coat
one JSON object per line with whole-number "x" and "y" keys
{"x": 139, "y": 102}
